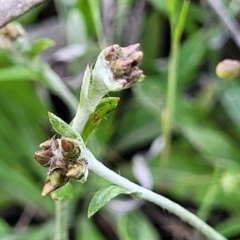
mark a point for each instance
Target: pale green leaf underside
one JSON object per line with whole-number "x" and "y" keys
{"x": 103, "y": 196}
{"x": 61, "y": 127}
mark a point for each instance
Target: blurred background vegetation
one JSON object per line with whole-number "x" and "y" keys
{"x": 203, "y": 170}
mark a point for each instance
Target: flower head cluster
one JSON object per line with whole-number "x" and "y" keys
{"x": 63, "y": 158}
{"x": 117, "y": 67}
{"x": 11, "y": 34}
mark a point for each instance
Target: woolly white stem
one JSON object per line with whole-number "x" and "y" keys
{"x": 61, "y": 223}
{"x": 163, "y": 202}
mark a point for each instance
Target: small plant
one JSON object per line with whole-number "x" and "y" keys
{"x": 68, "y": 158}
{"x": 180, "y": 127}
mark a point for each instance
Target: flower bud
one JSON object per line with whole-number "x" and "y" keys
{"x": 110, "y": 53}
{"x": 127, "y": 51}
{"x": 228, "y": 69}
{"x": 112, "y": 70}
{"x": 10, "y": 34}
{"x": 78, "y": 171}
{"x": 70, "y": 149}
{"x": 121, "y": 67}
{"x": 56, "y": 179}
{"x": 43, "y": 157}
{"x": 137, "y": 57}
{"x": 49, "y": 144}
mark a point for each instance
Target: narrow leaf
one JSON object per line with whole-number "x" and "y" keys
{"x": 61, "y": 127}
{"x": 136, "y": 225}
{"x": 63, "y": 193}
{"x": 105, "y": 106}
{"x": 17, "y": 73}
{"x": 103, "y": 196}
{"x": 40, "y": 45}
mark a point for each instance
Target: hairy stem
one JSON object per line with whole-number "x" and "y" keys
{"x": 163, "y": 202}
{"x": 61, "y": 222}
{"x": 93, "y": 164}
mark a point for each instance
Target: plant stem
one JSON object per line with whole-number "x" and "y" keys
{"x": 209, "y": 197}
{"x": 95, "y": 11}
{"x": 83, "y": 113}
{"x": 177, "y": 26}
{"x": 93, "y": 164}
{"x": 143, "y": 193}
{"x": 169, "y": 111}
{"x": 61, "y": 222}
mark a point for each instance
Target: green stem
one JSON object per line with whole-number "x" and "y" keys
{"x": 61, "y": 222}
{"x": 209, "y": 197}
{"x": 93, "y": 164}
{"x": 163, "y": 202}
{"x": 168, "y": 114}
{"x": 172, "y": 81}
{"x": 58, "y": 86}
{"x": 95, "y": 11}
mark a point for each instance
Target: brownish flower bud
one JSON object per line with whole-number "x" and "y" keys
{"x": 137, "y": 57}
{"x": 126, "y": 51}
{"x": 110, "y": 53}
{"x": 121, "y": 67}
{"x": 78, "y": 171}
{"x": 56, "y": 179}
{"x": 70, "y": 150}
{"x": 67, "y": 145}
{"x": 136, "y": 73}
{"x": 73, "y": 172}
{"x": 112, "y": 69}
{"x": 43, "y": 157}
{"x": 47, "y": 188}
{"x": 49, "y": 143}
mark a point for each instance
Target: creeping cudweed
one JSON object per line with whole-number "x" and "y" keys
{"x": 63, "y": 158}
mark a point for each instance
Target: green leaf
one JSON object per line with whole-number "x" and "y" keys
{"x": 159, "y": 5}
{"x": 66, "y": 130}
{"x": 34, "y": 233}
{"x": 105, "y": 106}
{"x": 210, "y": 142}
{"x": 95, "y": 12}
{"x": 40, "y": 45}
{"x": 153, "y": 28}
{"x": 140, "y": 124}
{"x": 75, "y": 20}
{"x": 61, "y": 127}
{"x": 87, "y": 230}
{"x": 230, "y": 100}
{"x": 18, "y": 73}
{"x": 55, "y": 83}
{"x": 192, "y": 52}
{"x": 230, "y": 227}
{"x": 136, "y": 226}
{"x": 4, "y": 227}
{"x": 103, "y": 196}
{"x": 62, "y": 193}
